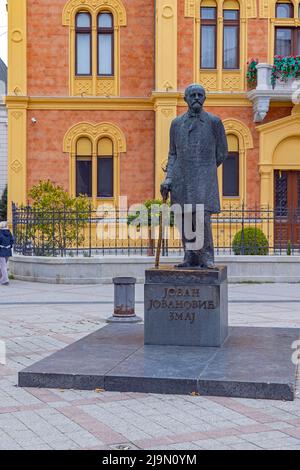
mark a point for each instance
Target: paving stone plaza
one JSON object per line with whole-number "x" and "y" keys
{"x": 38, "y": 319}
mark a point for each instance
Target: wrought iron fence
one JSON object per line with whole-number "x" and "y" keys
{"x": 108, "y": 232}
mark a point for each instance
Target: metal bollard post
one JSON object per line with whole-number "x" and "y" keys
{"x": 124, "y": 303}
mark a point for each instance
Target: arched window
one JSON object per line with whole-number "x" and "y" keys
{"x": 231, "y": 169}
{"x": 231, "y": 35}
{"x": 94, "y": 28}
{"x": 287, "y": 37}
{"x": 105, "y": 168}
{"x": 284, "y": 10}
{"x": 95, "y": 151}
{"x": 105, "y": 44}
{"x": 84, "y": 167}
{"x": 208, "y": 37}
{"x": 83, "y": 44}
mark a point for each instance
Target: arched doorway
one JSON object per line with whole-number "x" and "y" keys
{"x": 287, "y": 193}
{"x": 279, "y": 165}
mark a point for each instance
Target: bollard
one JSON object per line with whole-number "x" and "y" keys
{"x": 124, "y": 303}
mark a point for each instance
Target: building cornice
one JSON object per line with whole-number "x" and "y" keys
{"x": 223, "y": 99}
{"x": 75, "y": 103}
{"x": 129, "y": 104}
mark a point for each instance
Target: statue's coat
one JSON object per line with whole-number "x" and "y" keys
{"x": 198, "y": 145}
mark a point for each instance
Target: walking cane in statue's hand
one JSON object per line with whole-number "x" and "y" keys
{"x": 160, "y": 235}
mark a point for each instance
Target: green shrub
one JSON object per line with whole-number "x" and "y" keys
{"x": 250, "y": 241}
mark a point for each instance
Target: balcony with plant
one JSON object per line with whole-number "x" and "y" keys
{"x": 284, "y": 69}
{"x": 279, "y": 81}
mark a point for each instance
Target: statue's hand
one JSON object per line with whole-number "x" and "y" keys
{"x": 165, "y": 188}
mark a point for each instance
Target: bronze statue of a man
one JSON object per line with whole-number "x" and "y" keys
{"x": 198, "y": 145}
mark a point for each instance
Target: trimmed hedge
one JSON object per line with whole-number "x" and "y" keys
{"x": 250, "y": 241}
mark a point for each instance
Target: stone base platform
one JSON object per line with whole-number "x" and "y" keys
{"x": 252, "y": 363}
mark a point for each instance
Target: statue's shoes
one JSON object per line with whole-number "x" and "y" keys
{"x": 208, "y": 265}
{"x": 187, "y": 265}
{"x": 184, "y": 265}
{"x": 199, "y": 265}
{"x": 190, "y": 261}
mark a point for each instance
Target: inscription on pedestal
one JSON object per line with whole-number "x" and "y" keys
{"x": 187, "y": 315}
{"x": 182, "y": 303}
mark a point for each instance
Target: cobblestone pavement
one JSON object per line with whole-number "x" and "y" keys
{"x": 38, "y": 319}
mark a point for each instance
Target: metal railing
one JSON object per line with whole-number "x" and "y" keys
{"x": 93, "y": 233}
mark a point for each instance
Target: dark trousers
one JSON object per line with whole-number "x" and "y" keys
{"x": 206, "y": 253}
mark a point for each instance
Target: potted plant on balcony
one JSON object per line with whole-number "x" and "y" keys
{"x": 252, "y": 73}
{"x": 285, "y": 70}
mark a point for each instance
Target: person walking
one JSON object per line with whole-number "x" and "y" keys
{"x": 6, "y": 244}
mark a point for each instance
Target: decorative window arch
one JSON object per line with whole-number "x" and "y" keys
{"x": 94, "y": 148}
{"x": 248, "y": 8}
{"x": 239, "y": 140}
{"x": 103, "y": 80}
{"x": 116, "y": 6}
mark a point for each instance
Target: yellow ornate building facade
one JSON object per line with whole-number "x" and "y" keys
{"x": 93, "y": 86}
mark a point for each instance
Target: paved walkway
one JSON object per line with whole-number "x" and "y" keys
{"x": 38, "y": 319}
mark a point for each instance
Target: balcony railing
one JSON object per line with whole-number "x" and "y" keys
{"x": 264, "y": 93}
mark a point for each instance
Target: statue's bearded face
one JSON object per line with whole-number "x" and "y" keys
{"x": 195, "y": 97}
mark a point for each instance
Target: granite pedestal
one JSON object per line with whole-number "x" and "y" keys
{"x": 251, "y": 363}
{"x": 186, "y": 307}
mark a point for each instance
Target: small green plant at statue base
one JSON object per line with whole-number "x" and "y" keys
{"x": 289, "y": 248}
{"x": 250, "y": 241}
